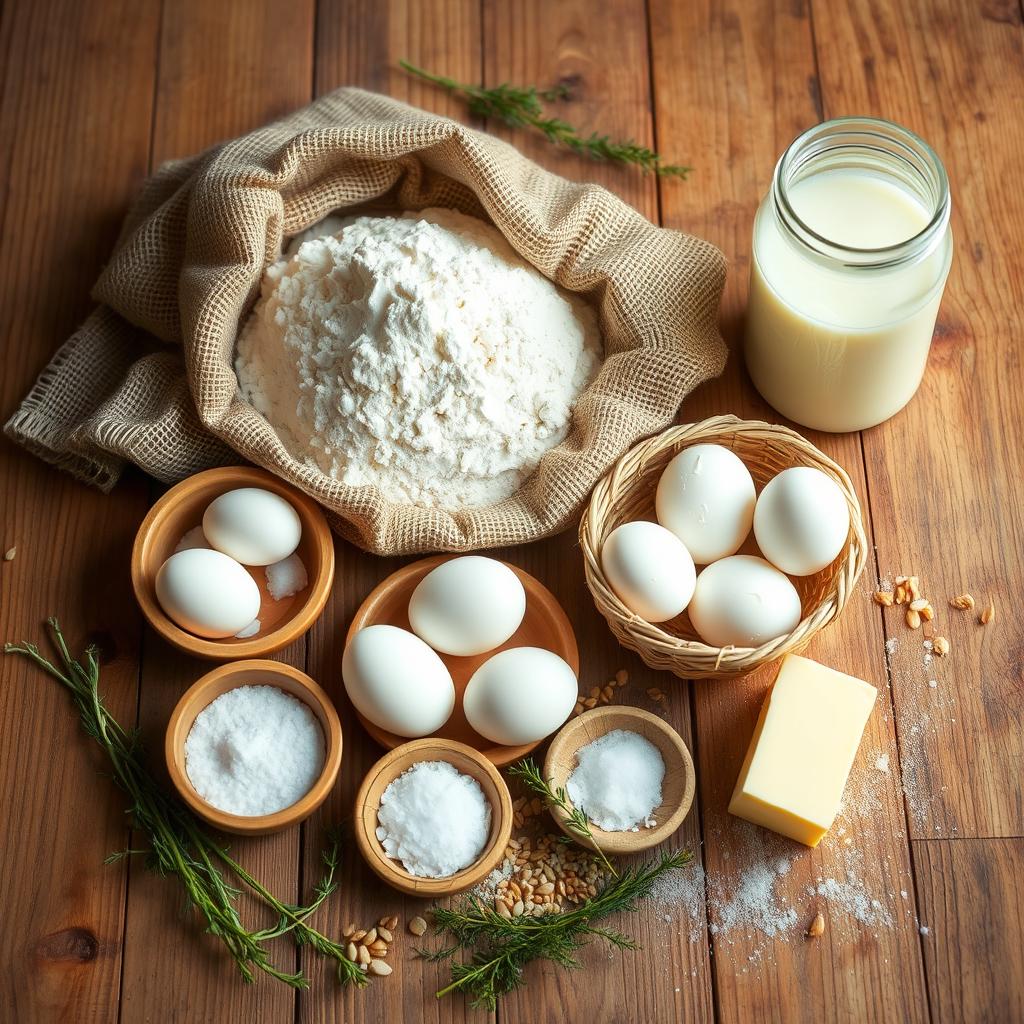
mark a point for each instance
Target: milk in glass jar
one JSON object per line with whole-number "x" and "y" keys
{"x": 851, "y": 251}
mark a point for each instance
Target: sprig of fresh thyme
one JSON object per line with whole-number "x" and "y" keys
{"x": 576, "y": 819}
{"x": 179, "y": 847}
{"x": 502, "y": 947}
{"x": 521, "y": 107}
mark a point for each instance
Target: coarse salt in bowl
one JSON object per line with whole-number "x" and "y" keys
{"x": 464, "y": 760}
{"x": 433, "y": 819}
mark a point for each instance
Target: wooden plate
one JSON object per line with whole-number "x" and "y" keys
{"x": 181, "y": 509}
{"x": 468, "y": 761}
{"x": 545, "y": 624}
{"x": 677, "y": 788}
{"x": 252, "y": 673}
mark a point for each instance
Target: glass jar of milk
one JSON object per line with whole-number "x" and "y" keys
{"x": 851, "y": 251}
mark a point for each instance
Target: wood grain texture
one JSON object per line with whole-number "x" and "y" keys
{"x": 66, "y": 173}
{"x": 747, "y": 87}
{"x": 603, "y": 61}
{"x": 93, "y": 94}
{"x": 361, "y": 44}
{"x": 972, "y": 918}
{"x": 213, "y": 84}
{"x": 945, "y": 474}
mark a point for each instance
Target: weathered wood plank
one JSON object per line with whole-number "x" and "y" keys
{"x": 603, "y": 64}
{"x": 972, "y": 918}
{"x": 361, "y": 44}
{"x": 735, "y": 82}
{"x": 67, "y": 172}
{"x": 945, "y": 473}
{"x": 224, "y": 69}
{"x": 603, "y": 61}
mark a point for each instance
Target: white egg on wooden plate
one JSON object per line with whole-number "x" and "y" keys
{"x": 649, "y": 569}
{"x": 467, "y": 606}
{"x": 520, "y": 695}
{"x": 801, "y": 520}
{"x": 706, "y": 498}
{"x": 207, "y": 593}
{"x": 252, "y": 525}
{"x": 743, "y": 601}
{"x": 396, "y": 681}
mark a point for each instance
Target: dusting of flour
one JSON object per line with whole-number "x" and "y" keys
{"x": 417, "y": 353}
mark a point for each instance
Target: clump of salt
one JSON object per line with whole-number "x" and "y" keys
{"x": 286, "y": 577}
{"x": 195, "y": 538}
{"x": 433, "y": 819}
{"x": 254, "y": 750}
{"x": 617, "y": 781}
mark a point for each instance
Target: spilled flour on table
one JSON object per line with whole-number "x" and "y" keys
{"x": 681, "y": 895}
{"x": 764, "y": 888}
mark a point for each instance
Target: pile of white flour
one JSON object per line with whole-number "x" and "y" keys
{"x": 419, "y": 354}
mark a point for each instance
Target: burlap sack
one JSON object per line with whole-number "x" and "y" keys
{"x": 148, "y": 378}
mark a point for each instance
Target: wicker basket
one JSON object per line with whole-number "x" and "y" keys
{"x": 627, "y": 493}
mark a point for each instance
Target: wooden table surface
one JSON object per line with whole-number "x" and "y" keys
{"x": 97, "y": 94}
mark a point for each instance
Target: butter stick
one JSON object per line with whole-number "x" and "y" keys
{"x": 802, "y": 750}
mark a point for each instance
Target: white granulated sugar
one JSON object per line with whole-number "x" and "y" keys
{"x": 417, "y": 353}
{"x": 286, "y": 577}
{"x": 254, "y": 750}
{"x": 195, "y": 538}
{"x": 433, "y": 819}
{"x": 890, "y": 646}
{"x": 882, "y": 763}
{"x": 617, "y": 781}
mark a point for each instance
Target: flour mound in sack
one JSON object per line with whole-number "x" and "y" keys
{"x": 417, "y": 353}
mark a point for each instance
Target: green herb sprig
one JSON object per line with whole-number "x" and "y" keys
{"x": 576, "y": 819}
{"x": 502, "y": 947}
{"x": 179, "y": 847}
{"x": 521, "y": 107}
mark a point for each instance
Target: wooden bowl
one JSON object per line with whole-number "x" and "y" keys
{"x": 545, "y": 624}
{"x": 468, "y": 761}
{"x": 253, "y": 673}
{"x": 181, "y": 509}
{"x": 677, "y": 788}
{"x": 628, "y": 492}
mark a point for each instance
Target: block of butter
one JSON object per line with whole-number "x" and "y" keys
{"x": 803, "y": 748}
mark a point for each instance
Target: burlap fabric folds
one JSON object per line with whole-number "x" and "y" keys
{"x": 148, "y": 377}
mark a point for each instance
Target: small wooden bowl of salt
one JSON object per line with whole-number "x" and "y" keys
{"x": 677, "y": 784}
{"x": 306, "y": 762}
{"x": 466, "y": 761}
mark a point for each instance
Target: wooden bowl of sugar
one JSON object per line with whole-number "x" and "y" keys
{"x": 677, "y": 786}
{"x": 467, "y": 761}
{"x": 214, "y": 684}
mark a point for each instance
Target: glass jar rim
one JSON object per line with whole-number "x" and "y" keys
{"x": 885, "y": 141}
